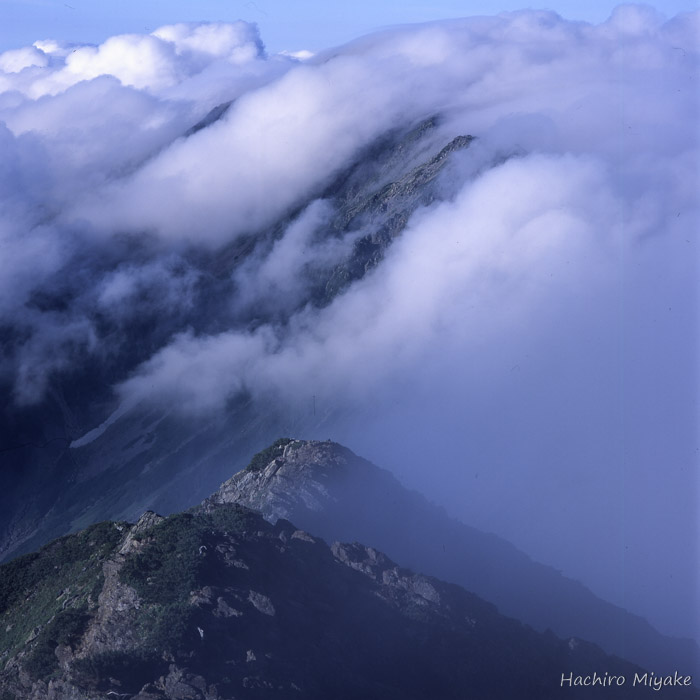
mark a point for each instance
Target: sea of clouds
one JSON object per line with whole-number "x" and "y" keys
{"x": 526, "y": 352}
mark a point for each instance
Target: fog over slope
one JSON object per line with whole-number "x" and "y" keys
{"x": 526, "y": 351}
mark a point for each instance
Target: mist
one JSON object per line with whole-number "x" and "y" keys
{"x": 525, "y": 353}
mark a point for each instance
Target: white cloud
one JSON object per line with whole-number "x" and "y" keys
{"x": 189, "y": 371}
{"x": 167, "y": 285}
{"x": 135, "y": 60}
{"x": 236, "y": 42}
{"x": 151, "y": 62}
{"x": 302, "y": 55}
{"x": 278, "y": 280}
{"x": 16, "y": 60}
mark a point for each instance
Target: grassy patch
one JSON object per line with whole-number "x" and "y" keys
{"x": 165, "y": 570}
{"x": 168, "y": 568}
{"x": 35, "y": 588}
{"x": 66, "y": 628}
{"x": 21, "y": 576}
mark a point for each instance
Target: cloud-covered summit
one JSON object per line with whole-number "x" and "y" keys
{"x": 536, "y": 321}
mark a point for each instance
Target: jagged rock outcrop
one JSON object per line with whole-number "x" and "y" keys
{"x": 219, "y": 604}
{"x": 327, "y": 489}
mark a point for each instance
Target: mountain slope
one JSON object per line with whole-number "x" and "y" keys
{"x": 327, "y": 489}
{"x": 216, "y": 603}
{"x": 77, "y": 458}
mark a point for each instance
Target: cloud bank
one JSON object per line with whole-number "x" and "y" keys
{"x": 526, "y": 351}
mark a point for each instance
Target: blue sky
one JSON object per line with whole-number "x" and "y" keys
{"x": 310, "y": 24}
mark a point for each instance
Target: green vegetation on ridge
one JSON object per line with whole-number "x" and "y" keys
{"x": 168, "y": 568}
{"x": 47, "y": 596}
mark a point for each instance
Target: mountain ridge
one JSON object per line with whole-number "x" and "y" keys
{"x": 325, "y": 488}
{"x": 216, "y": 603}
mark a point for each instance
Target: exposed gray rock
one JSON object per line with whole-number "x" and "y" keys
{"x": 262, "y": 603}
{"x": 114, "y": 626}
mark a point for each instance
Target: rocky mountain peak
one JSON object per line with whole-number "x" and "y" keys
{"x": 293, "y": 474}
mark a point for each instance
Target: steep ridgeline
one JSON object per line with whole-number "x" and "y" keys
{"x": 62, "y": 471}
{"x": 326, "y": 489}
{"x": 218, "y": 604}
